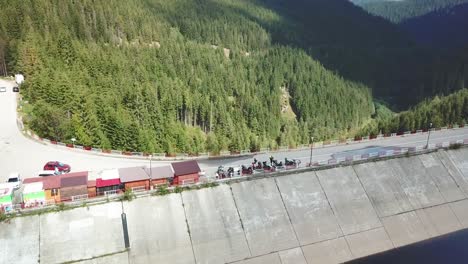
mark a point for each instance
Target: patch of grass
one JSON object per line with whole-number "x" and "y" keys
{"x": 162, "y": 190}
{"x": 209, "y": 185}
{"x": 3, "y": 216}
{"x": 61, "y": 207}
{"x": 178, "y": 189}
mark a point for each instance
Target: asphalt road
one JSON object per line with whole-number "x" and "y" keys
{"x": 26, "y": 156}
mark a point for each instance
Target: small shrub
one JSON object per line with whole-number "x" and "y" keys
{"x": 213, "y": 184}
{"x": 209, "y": 185}
{"x": 61, "y": 207}
{"x": 178, "y": 189}
{"x": 3, "y": 216}
{"x": 128, "y": 195}
{"x": 162, "y": 190}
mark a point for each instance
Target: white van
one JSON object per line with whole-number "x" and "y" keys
{"x": 15, "y": 180}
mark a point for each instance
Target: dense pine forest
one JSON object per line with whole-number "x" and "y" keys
{"x": 443, "y": 29}
{"x": 440, "y": 111}
{"x": 400, "y": 11}
{"x": 195, "y": 76}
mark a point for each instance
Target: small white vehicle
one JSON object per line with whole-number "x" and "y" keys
{"x": 47, "y": 173}
{"x": 2, "y": 89}
{"x": 15, "y": 180}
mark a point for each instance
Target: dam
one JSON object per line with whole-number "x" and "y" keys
{"x": 323, "y": 216}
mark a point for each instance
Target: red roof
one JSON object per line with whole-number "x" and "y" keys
{"x": 185, "y": 167}
{"x": 74, "y": 174}
{"x": 49, "y": 182}
{"x": 74, "y": 179}
{"x": 105, "y": 183}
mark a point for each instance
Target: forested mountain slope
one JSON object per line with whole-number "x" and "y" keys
{"x": 440, "y": 111}
{"x": 400, "y": 11}
{"x": 133, "y": 75}
{"x": 440, "y": 26}
{"x": 191, "y": 76}
{"x": 357, "y": 46}
{"x": 445, "y": 28}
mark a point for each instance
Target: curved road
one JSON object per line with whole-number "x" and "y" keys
{"x": 26, "y": 156}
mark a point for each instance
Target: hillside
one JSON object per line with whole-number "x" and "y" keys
{"x": 196, "y": 76}
{"x": 440, "y": 111}
{"x": 439, "y": 26}
{"x": 400, "y": 11}
{"x": 96, "y": 69}
{"x": 444, "y": 28}
{"x": 357, "y": 46}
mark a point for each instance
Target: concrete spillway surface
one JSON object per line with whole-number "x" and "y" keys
{"x": 215, "y": 226}
{"x": 81, "y": 233}
{"x": 120, "y": 258}
{"x": 308, "y": 207}
{"x": 460, "y": 159}
{"x": 266, "y": 222}
{"x": 383, "y": 188}
{"x": 421, "y": 190}
{"x": 328, "y": 216}
{"x": 158, "y": 231}
{"x": 453, "y": 167}
{"x": 329, "y": 251}
{"x": 348, "y": 200}
{"x": 19, "y": 241}
{"x": 445, "y": 183}
{"x": 405, "y": 228}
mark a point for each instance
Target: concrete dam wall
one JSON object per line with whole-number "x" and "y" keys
{"x": 326, "y": 216}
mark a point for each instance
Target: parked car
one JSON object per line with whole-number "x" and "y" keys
{"x": 2, "y": 89}
{"x": 57, "y": 166}
{"x": 47, "y": 173}
{"x": 16, "y": 89}
{"x": 15, "y": 180}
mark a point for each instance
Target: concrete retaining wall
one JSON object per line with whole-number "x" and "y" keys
{"x": 322, "y": 216}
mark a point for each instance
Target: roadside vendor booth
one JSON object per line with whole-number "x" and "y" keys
{"x": 34, "y": 195}
{"x": 6, "y": 198}
{"x": 107, "y": 181}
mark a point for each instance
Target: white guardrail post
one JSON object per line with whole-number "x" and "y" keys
{"x": 340, "y": 159}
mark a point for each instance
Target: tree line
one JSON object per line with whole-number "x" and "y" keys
{"x": 94, "y": 74}
{"x": 152, "y": 75}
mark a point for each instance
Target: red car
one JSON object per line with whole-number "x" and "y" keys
{"x": 61, "y": 167}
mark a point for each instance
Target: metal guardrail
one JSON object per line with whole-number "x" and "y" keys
{"x": 225, "y": 153}
{"x": 322, "y": 163}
